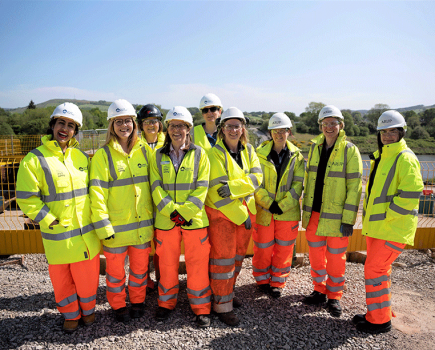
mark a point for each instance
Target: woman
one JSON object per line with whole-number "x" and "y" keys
{"x": 235, "y": 174}
{"x": 205, "y": 135}
{"x": 278, "y": 209}
{"x": 122, "y": 209}
{"x": 330, "y": 207}
{"x": 149, "y": 120}
{"x": 52, "y": 189}
{"x": 389, "y": 217}
{"x": 179, "y": 175}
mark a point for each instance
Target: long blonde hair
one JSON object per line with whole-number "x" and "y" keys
{"x": 244, "y": 138}
{"x": 110, "y": 135}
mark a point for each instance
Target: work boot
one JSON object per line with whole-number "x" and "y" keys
{"x": 358, "y": 318}
{"x": 334, "y": 307}
{"x": 203, "y": 321}
{"x": 237, "y": 302}
{"x": 275, "y": 292}
{"x": 122, "y": 315}
{"x": 137, "y": 310}
{"x": 315, "y": 298}
{"x": 69, "y": 326}
{"x": 162, "y": 313}
{"x": 229, "y": 318}
{"x": 372, "y": 328}
{"x": 88, "y": 320}
{"x": 265, "y": 288}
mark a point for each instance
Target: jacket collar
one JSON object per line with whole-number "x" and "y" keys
{"x": 167, "y": 148}
{"x": 319, "y": 140}
{"x": 53, "y": 145}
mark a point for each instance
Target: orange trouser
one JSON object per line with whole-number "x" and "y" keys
{"x": 229, "y": 243}
{"x": 196, "y": 253}
{"x": 115, "y": 274}
{"x": 377, "y": 270}
{"x": 327, "y": 259}
{"x": 273, "y": 252}
{"x": 75, "y": 287}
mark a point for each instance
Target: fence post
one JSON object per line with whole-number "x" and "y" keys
{"x": 12, "y": 144}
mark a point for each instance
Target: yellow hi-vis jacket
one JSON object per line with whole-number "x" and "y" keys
{"x": 52, "y": 186}
{"x": 183, "y": 191}
{"x": 289, "y": 189}
{"x": 242, "y": 182}
{"x": 391, "y": 212}
{"x": 342, "y": 186}
{"x": 160, "y": 141}
{"x": 199, "y": 137}
{"x": 120, "y": 195}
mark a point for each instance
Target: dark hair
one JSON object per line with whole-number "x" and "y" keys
{"x": 52, "y": 123}
{"x": 402, "y": 133}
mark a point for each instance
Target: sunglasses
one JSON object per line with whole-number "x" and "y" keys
{"x": 331, "y": 124}
{"x": 211, "y": 109}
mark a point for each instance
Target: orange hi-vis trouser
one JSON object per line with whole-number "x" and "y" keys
{"x": 273, "y": 252}
{"x": 377, "y": 271}
{"x": 75, "y": 287}
{"x": 115, "y": 274}
{"x": 229, "y": 243}
{"x": 327, "y": 259}
{"x": 196, "y": 253}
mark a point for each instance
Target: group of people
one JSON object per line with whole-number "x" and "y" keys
{"x": 206, "y": 185}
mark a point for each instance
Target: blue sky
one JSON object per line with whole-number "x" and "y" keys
{"x": 271, "y": 56}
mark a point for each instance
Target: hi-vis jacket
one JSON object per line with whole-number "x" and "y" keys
{"x": 242, "y": 182}
{"x": 184, "y": 191}
{"x": 120, "y": 195}
{"x": 342, "y": 186}
{"x": 160, "y": 141}
{"x": 199, "y": 137}
{"x": 392, "y": 208}
{"x": 52, "y": 186}
{"x": 290, "y": 186}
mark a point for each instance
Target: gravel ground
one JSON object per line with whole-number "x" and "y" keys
{"x": 29, "y": 319}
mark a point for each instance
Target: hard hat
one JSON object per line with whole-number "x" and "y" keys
{"x": 120, "y": 108}
{"x": 391, "y": 119}
{"x": 68, "y": 110}
{"x": 210, "y": 100}
{"x": 179, "y": 113}
{"x": 231, "y": 113}
{"x": 149, "y": 111}
{"x": 330, "y": 111}
{"x": 279, "y": 121}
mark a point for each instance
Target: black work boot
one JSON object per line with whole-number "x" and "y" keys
{"x": 334, "y": 307}
{"x": 137, "y": 310}
{"x": 237, "y": 302}
{"x": 265, "y": 288}
{"x": 358, "y": 318}
{"x": 162, "y": 313}
{"x": 275, "y": 292}
{"x": 229, "y": 318}
{"x": 203, "y": 321}
{"x": 315, "y": 298}
{"x": 122, "y": 315}
{"x": 372, "y": 328}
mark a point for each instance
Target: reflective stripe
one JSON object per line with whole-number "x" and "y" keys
{"x": 377, "y": 280}
{"x": 117, "y": 250}
{"x": 331, "y": 216}
{"x": 144, "y": 152}
{"x": 320, "y": 279}
{"x": 198, "y": 293}
{"x": 65, "y": 195}
{"x": 42, "y": 213}
{"x": 336, "y": 250}
{"x": 68, "y": 234}
{"x": 99, "y": 183}
{"x": 164, "y": 202}
{"x": 410, "y": 194}
{"x": 334, "y": 289}
{"x": 336, "y": 279}
{"x": 313, "y": 168}
{"x": 177, "y": 187}
{"x": 319, "y": 272}
{"x": 378, "y": 294}
{"x": 281, "y": 269}
{"x": 261, "y": 270}
{"x": 202, "y": 240}
{"x": 47, "y": 173}
{"x": 376, "y": 306}
{"x": 294, "y": 194}
{"x": 88, "y": 299}
{"x": 115, "y": 289}
{"x": 168, "y": 297}
{"x": 195, "y": 201}
{"x": 377, "y": 217}
{"x": 285, "y": 243}
{"x": 68, "y": 300}
{"x": 111, "y": 165}
{"x": 392, "y": 246}
{"x": 222, "y": 276}
{"x": 129, "y": 181}
{"x": 142, "y": 246}
{"x": 238, "y": 269}
{"x": 256, "y": 170}
{"x": 138, "y": 276}
{"x": 298, "y": 178}
{"x": 337, "y": 174}
{"x": 88, "y": 312}
{"x": 137, "y": 285}
{"x": 254, "y": 180}
{"x": 399, "y": 210}
{"x": 196, "y": 161}
{"x": 202, "y": 183}
{"x": 262, "y": 277}
{"x": 224, "y": 298}
{"x": 288, "y": 185}
{"x": 222, "y": 262}
{"x": 223, "y": 202}
{"x": 71, "y": 315}
{"x": 351, "y": 176}
{"x": 265, "y": 245}
{"x": 112, "y": 279}
{"x": 364, "y": 212}
{"x": 239, "y": 257}
{"x": 27, "y": 194}
{"x": 307, "y": 208}
{"x": 159, "y": 242}
{"x": 199, "y": 301}
{"x": 295, "y": 226}
{"x": 351, "y": 207}
{"x": 101, "y": 223}
{"x": 278, "y": 279}
{"x": 316, "y": 244}
{"x": 177, "y": 286}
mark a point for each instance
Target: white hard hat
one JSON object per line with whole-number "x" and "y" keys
{"x": 179, "y": 113}
{"x": 68, "y": 110}
{"x": 330, "y": 111}
{"x": 391, "y": 119}
{"x": 231, "y": 113}
{"x": 210, "y": 100}
{"x": 120, "y": 108}
{"x": 279, "y": 121}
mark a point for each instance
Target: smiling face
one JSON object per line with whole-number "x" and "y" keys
{"x": 150, "y": 126}
{"x": 330, "y": 128}
{"x": 389, "y": 136}
{"x": 232, "y": 129}
{"x": 177, "y": 131}
{"x": 123, "y": 127}
{"x": 280, "y": 136}
{"x": 209, "y": 116}
{"x": 63, "y": 131}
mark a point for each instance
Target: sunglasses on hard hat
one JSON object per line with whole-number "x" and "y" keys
{"x": 211, "y": 109}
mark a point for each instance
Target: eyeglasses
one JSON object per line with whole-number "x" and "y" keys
{"x": 120, "y": 122}
{"x": 179, "y": 127}
{"x": 211, "y": 109}
{"x": 232, "y": 127}
{"x": 150, "y": 121}
{"x": 330, "y": 124}
{"x": 393, "y": 132}
{"x": 280, "y": 131}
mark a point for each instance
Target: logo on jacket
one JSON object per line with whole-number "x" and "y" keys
{"x": 83, "y": 168}
{"x": 185, "y": 169}
{"x": 60, "y": 174}
{"x": 141, "y": 165}
{"x": 121, "y": 168}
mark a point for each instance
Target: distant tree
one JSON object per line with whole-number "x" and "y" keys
{"x": 428, "y": 116}
{"x": 364, "y": 131}
{"x": 291, "y": 115}
{"x": 31, "y": 105}
{"x": 6, "y": 129}
{"x": 419, "y": 133}
{"x": 314, "y": 107}
{"x": 373, "y": 115}
{"x": 35, "y": 121}
{"x": 302, "y": 128}
{"x": 357, "y": 117}
{"x": 413, "y": 121}
{"x": 265, "y": 116}
{"x": 348, "y": 123}
{"x": 356, "y": 130}
{"x": 409, "y": 114}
